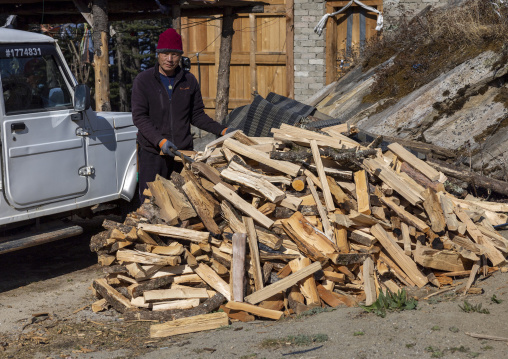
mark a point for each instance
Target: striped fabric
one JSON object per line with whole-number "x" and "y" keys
{"x": 258, "y": 118}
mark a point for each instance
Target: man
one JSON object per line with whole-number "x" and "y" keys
{"x": 166, "y": 100}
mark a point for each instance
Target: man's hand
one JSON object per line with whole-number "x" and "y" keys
{"x": 166, "y": 147}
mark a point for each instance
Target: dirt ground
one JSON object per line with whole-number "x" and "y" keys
{"x": 45, "y": 313}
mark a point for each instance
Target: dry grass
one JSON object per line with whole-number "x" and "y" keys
{"x": 432, "y": 43}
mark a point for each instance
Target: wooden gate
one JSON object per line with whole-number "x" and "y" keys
{"x": 347, "y": 33}
{"x": 259, "y": 60}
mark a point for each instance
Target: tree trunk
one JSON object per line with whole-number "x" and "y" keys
{"x": 122, "y": 90}
{"x": 222, "y": 100}
{"x": 101, "y": 57}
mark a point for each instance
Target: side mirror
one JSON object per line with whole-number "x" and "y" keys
{"x": 82, "y": 100}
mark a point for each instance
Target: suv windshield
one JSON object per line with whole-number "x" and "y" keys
{"x": 32, "y": 80}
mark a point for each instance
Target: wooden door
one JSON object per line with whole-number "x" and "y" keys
{"x": 259, "y": 56}
{"x": 347, "y": 34}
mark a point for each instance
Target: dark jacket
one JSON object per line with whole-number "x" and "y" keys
{"x": 156, "y": 117}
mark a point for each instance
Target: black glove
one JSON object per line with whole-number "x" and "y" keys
{"x": 167, "y": 147}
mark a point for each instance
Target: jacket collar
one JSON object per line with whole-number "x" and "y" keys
{"x": 178, "y": 75}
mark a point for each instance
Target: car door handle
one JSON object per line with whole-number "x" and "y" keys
{"x": 18, "y": 126}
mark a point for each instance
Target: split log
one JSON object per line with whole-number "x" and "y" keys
{"x": 254, "y": 252}
{"x": 407, "y": 265}
{"x": 282, "y": 284}
{"x": 414, "y": 161}
{"x": 239, "y": 167}
{"x": 243, "y": 206}
{"x": 114, "y": 298}
{"x": 369, "y": 282}
{"x": 176, "y": 293}
{"x": 420, "y": 178}
{"x": 193, "y": 324}
{"x": 472, "y": 178}
{"x": 238, "y": 270}
{"x": 262, "y": 186}
{"x": 168, "y": 213}
{"x": 322, "y": 177}
{"x": 175, "y": 232}
{"x": 260, "y": 312}
{"x": 323, "y": 214}
{"x": 213, "y": 280}
{"x": 434, "y": 210}
{"x": 127, "y": 255}
{"x": 362, "y": 192}
{"x": 178, "y": 200}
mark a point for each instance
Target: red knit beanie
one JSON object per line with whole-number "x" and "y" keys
{"x": 170, "y": 41}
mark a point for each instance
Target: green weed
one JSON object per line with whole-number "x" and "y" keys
{"x": 470, "y": 308}
{"x": 391, "y": 301}
{"x": 496, "y": 300}
{"x": 359, "y": 333}
{"x": 436, "y": 352}
{"x": 410, "y": 345}
{"x": 435, "y": 327}
{"x": 454, "y": 329}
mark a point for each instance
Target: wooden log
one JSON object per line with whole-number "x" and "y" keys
{"x": 193, "y": 324}
{"x": 395, "y": 269}
{"x": 323, "y": 214}
{"x": 176, "y": 304}
{"x": 168, "y": 213}
{"x": 177, "y": 293}
{"x": 291, "y": 202}
{"x": 205, "y": 205}
{"x": 420, "y": 178}
{"x": 175, "y": 232}
{"x": 240, "y": 166}
{"x": 445, "y": 260}
{"x": 282, "y": 284}
{"x": 328, "y": 297}
{"x": 369, "y": 282}
{"x": 223, "y": 258}
{"x": 387, "y": 175}
{"x": 238, "y": 270}
{"x": 298, "y": 183}
{"x": 127, "y": 255}
{"x": 434, "y": 210}
{"x": 260, "y": 312}
{"x": 308, "y": 285}
{"x": 362, "y": 192}
{"x": 406, "y": 239}
{"x": 406, "y": 216}
{"x": 363, "y": 220}
{"x": 178, "y": 200}
{"x": 414, "y": 161}
{"x": 236, "y": 225}
{"x": 260, "y": 185}
{"x": 334, "y": 276}
{"x": 174, "y": 249}
{"x": 345, "y": 259}
{"x": 100, "y": 305}
{"x": 407, "y": 265}
{"x": 144, "y": 237}
{"x": 114, "y": 298}
{"x": 254, "y": 252}
{"x": 261, "y": 157}
{"x": 362, "y": 238}
{"x": 207, "y": 306}
{"x": 238, "y": 314}
{"x": 303, "y": 137}
{"x": 322, "y": 176}
{"x": 312, "y": 243}
{"x": 470, "y": 177}
{"x": 243, "y": 206}
{"x": 224, "y": 65}
{"x": 341, "y": 235}
{"x": 213, "y": 280}
{"x": 210, "y": 173}
{"x": 490, "y": 251}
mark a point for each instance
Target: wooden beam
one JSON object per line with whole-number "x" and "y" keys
{"x": 221, "y": 108}
{"x": 252, "y": 55}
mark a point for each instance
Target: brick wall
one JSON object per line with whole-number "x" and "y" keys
{"x": 309, "y": 48}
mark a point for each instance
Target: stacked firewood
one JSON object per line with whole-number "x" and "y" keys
{"x": 268, "y": 227}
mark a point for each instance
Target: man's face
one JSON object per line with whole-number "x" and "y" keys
{"x": 168, "y": 61}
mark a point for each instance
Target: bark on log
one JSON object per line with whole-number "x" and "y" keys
{"x": 472, "y": 178}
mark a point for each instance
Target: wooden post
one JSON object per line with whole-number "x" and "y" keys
{"x": 331, "y": 47}
{"x": 176, "y": 22}
{"x": 252, "y": 57}
{"x": 290, "y": 63}
{"x": 239, "y": 244}
{"x": 101, "y": 57}
{"x": 222, "y": 100}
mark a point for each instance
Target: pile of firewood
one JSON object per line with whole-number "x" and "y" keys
{"x": 267, "y": 227}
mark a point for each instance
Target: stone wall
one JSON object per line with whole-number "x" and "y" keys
{"x": 309, "y": 48}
